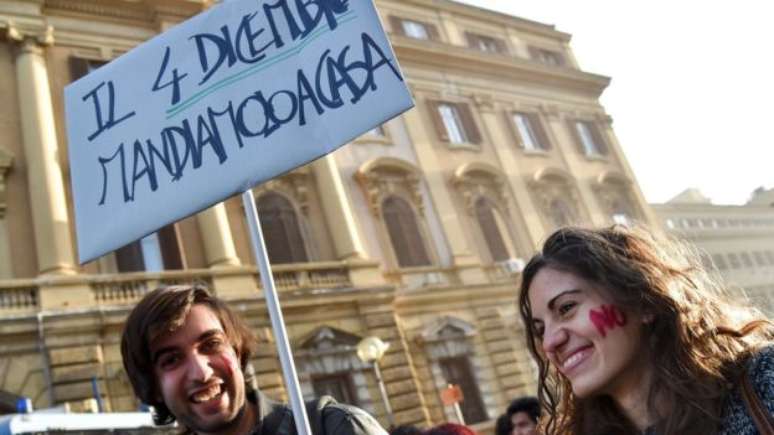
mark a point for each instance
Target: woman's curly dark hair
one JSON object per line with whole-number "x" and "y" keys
{"x": 696, "y": 343}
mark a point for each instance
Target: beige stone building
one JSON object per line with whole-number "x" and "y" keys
{"x": 412, "y": 233}
{"x": 737, "y": 240}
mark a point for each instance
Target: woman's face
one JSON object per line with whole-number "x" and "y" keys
{"x": 592, "y": 342}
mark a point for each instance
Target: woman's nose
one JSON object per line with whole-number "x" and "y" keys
{"x": 554, "y": 339}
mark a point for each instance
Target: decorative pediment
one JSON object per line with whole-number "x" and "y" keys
{"x": 476, "y": 179}
{"x": 385, "y": 176}
{"x": 447, "y": 328}
{"x": 294, "y": 185}
{"x": 615, "y": 195}
{"x": 326, "y": 338}
{"x": 328, "y": 350}
{"x": 556, "y": 194}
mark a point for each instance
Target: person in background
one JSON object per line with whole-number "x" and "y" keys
{"x": 186, "y": 354}
{"x": 521, "y": 417}
{"x": 633, "y": 336}
{"x": 406, "y": 429}
{"x": 450, "y": 429}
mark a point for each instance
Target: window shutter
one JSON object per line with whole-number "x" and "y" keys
{"x": 471, "y": 39}
{"x": 432, "y": 32}
{"x": 575, "y": 136}
{"x": 171, "y": 249}
{"x": 435, "y": 114}
{"x": 596, "y": 133}
{"x": 397, "y": 25}
{"x": 129, "y": 258}
{"x": 468, "y": 123}
{"x": 540, "y": 131}
{"x": 404, "y": 233}
{"x": 514, "y": 129}
{"x": 281, "y": 230}
{"x": 491, "y": 231}
{"x": 501, "y": 47}
{"x": 79, "y": 67}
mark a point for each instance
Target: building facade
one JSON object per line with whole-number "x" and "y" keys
{"x": 413, "y": 233}
{"x": 735, "y": 240}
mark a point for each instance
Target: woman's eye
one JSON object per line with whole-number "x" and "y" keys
{"x": 566, "y": 307}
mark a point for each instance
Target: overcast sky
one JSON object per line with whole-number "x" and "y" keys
{"x": 692, "y": 91}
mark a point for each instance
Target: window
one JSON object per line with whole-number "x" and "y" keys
{"x": 338, "y": 386}
{"x": 153, "y": 253}
{"x": 492, "y": 230}
{"x": 457, "y": 371}
{"x": 454, "y": 123}
{"x": 530, "y": 132}
{"x": 485, "y": 43}
{"x": 589, "y": 138}
{"x": 281, "y": 229}
{"x": 402, "y": 227}
{"x": 548, "y": 57}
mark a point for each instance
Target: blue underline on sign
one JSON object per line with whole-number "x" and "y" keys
{"x": 195, "y": 98}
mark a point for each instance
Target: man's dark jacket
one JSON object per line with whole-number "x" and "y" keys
{"x": 326, "y": 417}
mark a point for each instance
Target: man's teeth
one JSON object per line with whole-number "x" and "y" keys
{"x": 208, "y": 394}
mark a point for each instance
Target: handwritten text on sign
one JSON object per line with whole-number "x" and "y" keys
{"x": 231, "y": 98}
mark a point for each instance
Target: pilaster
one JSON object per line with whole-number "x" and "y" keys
{"x": 462, "y": 256}
{"x": 50, "y": 221}
{"x": 517, "y": 182}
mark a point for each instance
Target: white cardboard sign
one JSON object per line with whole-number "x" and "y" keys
{"x": 237, "y": 95}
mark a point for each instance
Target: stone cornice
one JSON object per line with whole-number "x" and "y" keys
{"x": 490, "y": 17}
{"x": 138, "y": 12}
{"x": 463, "y": 60}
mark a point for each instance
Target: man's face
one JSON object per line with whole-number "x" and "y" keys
{"x": 522, "y": 424}
{"x": 198, "y": 375}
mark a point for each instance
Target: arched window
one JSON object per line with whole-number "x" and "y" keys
{"x": 404, "y": 233}
{"x": 492, "y": 230}
{"x": 281, "y": 230}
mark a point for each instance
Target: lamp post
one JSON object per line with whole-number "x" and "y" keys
{"x": 372, "y": 349}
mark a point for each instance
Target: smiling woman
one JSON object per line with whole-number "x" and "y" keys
{"x": 632, "y": 336}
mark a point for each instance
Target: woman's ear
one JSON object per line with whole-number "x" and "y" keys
{"x": 648, "y": 318}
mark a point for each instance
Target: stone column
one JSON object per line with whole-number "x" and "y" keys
{"x": 516, "y": 181}
{"x": 219, "y": 249}
{"x": 461, "y": 254}
{"x": 347, "y": 241}
{"x": 341, "y": 220}
{"x": 230, "y": 279}
{"x": 50, "y": 221}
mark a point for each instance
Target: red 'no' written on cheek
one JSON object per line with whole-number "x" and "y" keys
{"x": 606, "y": 318}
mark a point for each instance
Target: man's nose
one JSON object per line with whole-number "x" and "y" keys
{"x": 199, "y": 368}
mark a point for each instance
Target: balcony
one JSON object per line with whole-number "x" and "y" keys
{"x": 25, "y": 297}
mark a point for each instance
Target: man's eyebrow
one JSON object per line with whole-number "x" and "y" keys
{"x": 566, "y": 292}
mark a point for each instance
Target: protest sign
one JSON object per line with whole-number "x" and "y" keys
{"x": 237, "y": 95}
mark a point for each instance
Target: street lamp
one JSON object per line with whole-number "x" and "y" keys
{"x": 372, "y": 349}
